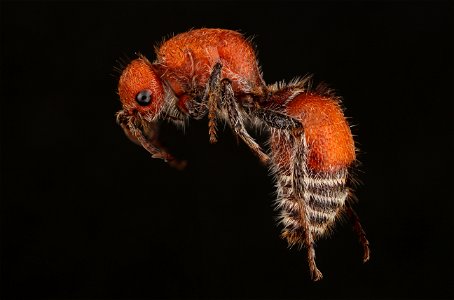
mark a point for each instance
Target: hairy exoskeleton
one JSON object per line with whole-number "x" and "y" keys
{"x": 214, "y": 73}
{"x": 197, "y": 73}
{"x": 311, "y": 166}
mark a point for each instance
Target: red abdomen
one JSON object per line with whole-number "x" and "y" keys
{"x": 328, "y": 136}
{"x": 312, "y": 173}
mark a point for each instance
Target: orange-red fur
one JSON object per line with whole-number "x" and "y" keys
{"x": 328, "y": 135}
{"x": 214, "y": 72}
{"x": 193, "y": 54}
{"x": 137, "y": 76}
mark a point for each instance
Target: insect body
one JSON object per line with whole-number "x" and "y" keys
{"x": 311, "y": 168}
{"x": 188, "y": 60}
{"x": 194, "y": 74}
{"x": 214, "y": 72}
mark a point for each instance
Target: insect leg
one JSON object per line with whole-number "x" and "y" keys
{"x": 276, "y": 119}
{"x": 197, "y": 110}
{"x": 299, "y": 171}
{"x": 359, "y": 231}
{"x": 236, "y": 121}
{"x": 145, "y": 134}
{"x": 288, "y": 153}
{"x": 212, "y": 97}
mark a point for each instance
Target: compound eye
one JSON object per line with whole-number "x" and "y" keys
{"x": 143, "y": 98}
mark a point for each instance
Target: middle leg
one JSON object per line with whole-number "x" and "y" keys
{"x": 212, "y": 97}
{"x": 236, "y": 120}
{"x": 220, "y": 91}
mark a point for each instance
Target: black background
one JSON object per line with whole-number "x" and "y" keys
{"x": 87, "y": 214}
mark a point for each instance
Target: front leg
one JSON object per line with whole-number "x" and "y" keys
{"x": 236, "y": 120}
{"x": 146, "y": 135}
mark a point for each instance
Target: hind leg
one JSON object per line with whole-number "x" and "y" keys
{"x": 299, "y": 171}
{"x": 359, "y": 231}
{"x": 288, "y": 153}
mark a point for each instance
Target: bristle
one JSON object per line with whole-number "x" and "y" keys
{"x": 120, "y": 64}
{"x": 322, "y": 194}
